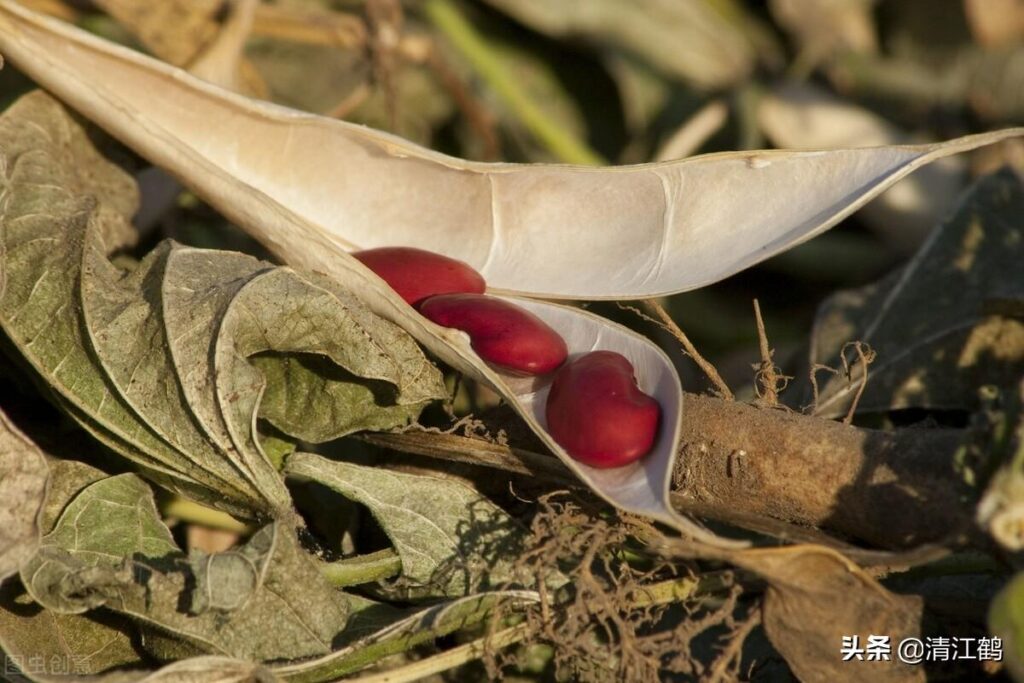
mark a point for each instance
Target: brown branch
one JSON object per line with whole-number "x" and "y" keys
{"x": 891, "y": 489}
{"x": 777, "y": 472}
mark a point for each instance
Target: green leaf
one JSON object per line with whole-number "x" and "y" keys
{"x": 24, "y": 476}
{"x": 452, "y": 540}
{"x": 945, "y": 324}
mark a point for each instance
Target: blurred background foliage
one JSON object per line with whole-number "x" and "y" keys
{"x": 622, "y": 82}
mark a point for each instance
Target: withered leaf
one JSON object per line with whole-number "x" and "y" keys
{"x": 24, "y": 477}
{"x": 815, "y": 597}
{"x": 944, "y": 324}
{"x": 452, "y": 540}
{"x": 106, "y": 524}
{"x": 66, "y": 644}
{"x": 155, "y": 362}
{"x": 264, "y": 601}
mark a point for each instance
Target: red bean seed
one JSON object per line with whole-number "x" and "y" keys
{"x": 596, "y": 411}
{"x": 417, "y": 274}
{"x": 501, "y": 333}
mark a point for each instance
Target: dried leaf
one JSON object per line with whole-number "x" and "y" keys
{"x": 24, "y": 478}
{"x": 266, "y": 600}
{"x": 124, "y": 321}
{"x": 64, "y": 644}
{"x": 452, "y": 540}
{"x": 58, "y": 188}
{"x": 279, "y": 311}
{"x": 75, "y": 644}
{"x": 108, "y": 521}
{"x": 815, "y": 597}
{"x": 941, "y": 326}
{"x": 154, "y": 362}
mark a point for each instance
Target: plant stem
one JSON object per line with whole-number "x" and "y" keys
{"x": 449, "y": 659}
{"x": 450, "y": 22}
{"x": 353, "y": 571}
{"x": 670, "y": 325}
{"x": 664, "y": 592}
{"x": 194, "y": 513}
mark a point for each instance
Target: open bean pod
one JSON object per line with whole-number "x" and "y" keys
{"x": 312, "y": 189}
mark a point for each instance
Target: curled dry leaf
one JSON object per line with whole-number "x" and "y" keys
{"x": 156, "y": 362}
{"x": 452, "y": 540}
{"x": 312, "y": 189}
{"x": 24, "y": 477}
{"x": 265, "y": 600}
{"x": 943, "y": 325}
{"x": 815, "y": 597}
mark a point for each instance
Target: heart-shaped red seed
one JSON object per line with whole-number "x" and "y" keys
{"x": 416, "y": 274}
{"x": 501, "y": 333}
{"x": 598, "y": 414}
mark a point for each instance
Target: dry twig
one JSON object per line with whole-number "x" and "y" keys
{"x": 665, "y": 322}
